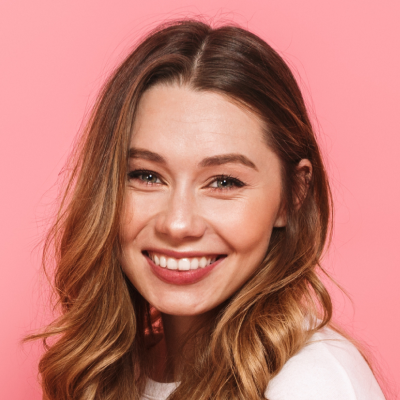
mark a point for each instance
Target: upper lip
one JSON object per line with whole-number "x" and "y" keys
{"x": 182, "y": 254}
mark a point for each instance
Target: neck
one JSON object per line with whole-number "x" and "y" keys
{"x": 177, "y": 333}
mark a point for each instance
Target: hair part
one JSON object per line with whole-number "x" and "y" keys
{"x": 105, "y": 324}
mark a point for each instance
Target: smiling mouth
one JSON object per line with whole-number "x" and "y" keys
{"x": 182, "y": 264}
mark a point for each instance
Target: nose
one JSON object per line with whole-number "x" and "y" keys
{"x": 180, "y": 219}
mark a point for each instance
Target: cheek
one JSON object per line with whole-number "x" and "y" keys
{"x": 127, "y": 224}
{"x": 246, "y": 224}
{"x": 136, "y": 214}
{"x": 131, "y": 232}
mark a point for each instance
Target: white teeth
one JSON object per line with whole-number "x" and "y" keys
{"x": 203, "y": 262}
{"x": 172, "y": 263}
{"x": 182, "y": 264}
{"x": 163, "y": 262}
{"x": 194, "y": 264}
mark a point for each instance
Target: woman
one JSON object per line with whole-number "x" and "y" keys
{"x": 190, "y": 234}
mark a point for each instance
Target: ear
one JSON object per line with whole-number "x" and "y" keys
{"x": 304, "y": 174}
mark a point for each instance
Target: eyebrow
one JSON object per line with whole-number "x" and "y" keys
{"x": 227, "y": 158}
{"x": 146, "y": 155}
{"x": 206, "y": 162}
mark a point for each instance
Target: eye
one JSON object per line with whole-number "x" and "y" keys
{"x": 147, "y": 177}
{"x": 225, "y": 182}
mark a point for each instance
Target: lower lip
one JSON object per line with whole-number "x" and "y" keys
{"x": 176, "y": 277}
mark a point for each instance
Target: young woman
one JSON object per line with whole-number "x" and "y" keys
{"x": 190, "y": 234}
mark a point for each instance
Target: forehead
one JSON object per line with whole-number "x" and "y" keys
{"x": 178, "y": 119}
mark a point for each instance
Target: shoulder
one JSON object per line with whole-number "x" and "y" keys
{"x": 329, "y": 367}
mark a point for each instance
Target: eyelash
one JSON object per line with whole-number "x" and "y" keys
{"x": 235, "y": 181}
{"x": 227, "y": 178}
{"x": 138, "y": 172}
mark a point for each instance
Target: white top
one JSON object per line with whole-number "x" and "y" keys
{"x": 329, "y": 367}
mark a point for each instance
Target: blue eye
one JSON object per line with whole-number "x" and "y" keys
{"x": 147, "y": 177}
{"x": 225, "y": 182}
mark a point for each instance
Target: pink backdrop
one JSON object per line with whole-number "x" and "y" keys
{"x": 55, "y": 54}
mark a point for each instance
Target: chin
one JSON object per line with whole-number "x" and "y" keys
{"x": 187, "y": 310}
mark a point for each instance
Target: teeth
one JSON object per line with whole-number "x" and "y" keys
{"x": 183, "y": 264}
{"x": 203, "y": 262}
{"x": 163, "y": 262}
{"x": 172, "y": 263}
{"x": 194, "y": 264}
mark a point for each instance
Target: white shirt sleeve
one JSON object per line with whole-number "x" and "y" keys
{"x": 328, "y": 368}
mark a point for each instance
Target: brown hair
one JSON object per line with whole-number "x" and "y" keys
{"x": 99, "y": 349}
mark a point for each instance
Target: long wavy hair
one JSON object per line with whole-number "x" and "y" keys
{"x": 98, "y": 347}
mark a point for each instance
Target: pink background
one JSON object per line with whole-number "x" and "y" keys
{"x": 54, "y": 56}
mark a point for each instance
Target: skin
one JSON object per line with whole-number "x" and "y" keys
{"x": 181, "y": 207}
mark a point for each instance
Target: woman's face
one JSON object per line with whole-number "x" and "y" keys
{"x": 203, "y": 195}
